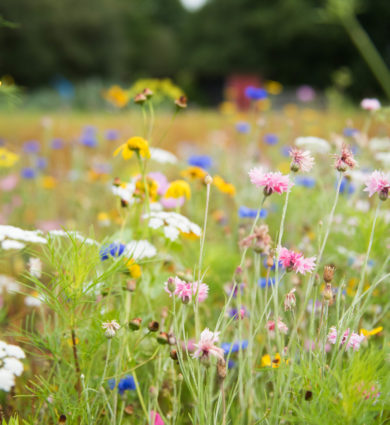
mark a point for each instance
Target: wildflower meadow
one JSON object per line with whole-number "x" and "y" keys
{"x": 241, "y": 278}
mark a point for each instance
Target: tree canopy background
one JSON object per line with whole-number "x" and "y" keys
{"x": 122, "y": 40}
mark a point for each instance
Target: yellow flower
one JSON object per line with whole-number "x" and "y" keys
{"x": 273, "y": 87}
{"x": 194, "y": 173}
{"x": 135, "y": 144}
{"x": 152, "y": 188}
{"x": 7, "y": 158}
{"x": 224, "y": 187}
{"x": 117, "y": 96}
{"x": 374, "y": 331}
{"x": 133, "y": 268}
{"x": 266, "y": 360}
{"x": 190, "y": 236}
{"x": 177, "y": 189}
{"x": 49, "y": 182}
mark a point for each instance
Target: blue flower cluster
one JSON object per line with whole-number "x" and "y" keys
{"x": 305, "y": 181}
{"x": 202, "y": 161}
{"x": 263, "y": 282}
{"x": 271, "y": 139}
{"x": 114, "y": 249}
{"x": 125, "y": 384}
{"x": 228, "y": 347}
{"x": 89, "y": 137}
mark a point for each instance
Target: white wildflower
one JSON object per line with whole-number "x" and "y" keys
{"x": 172, "y": 224}
{"x": 162, "y": 156}
{"x": 9, "y": 244}
{"x": 10, "y": 365}
{"x": 139, "y": 250}
{"x": 35, "y": 267}
{"x": 315, "y": 144}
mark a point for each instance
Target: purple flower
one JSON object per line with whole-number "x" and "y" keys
{"x": 112, "y": 134}
{"x": 32, "y": 146}
{"x": 28, "y": 173}
{"x": 271, "y": 139}
{"x": 41, "y": 163}
{"x": 57, "y": 144}
{"x": 243, "y": 127}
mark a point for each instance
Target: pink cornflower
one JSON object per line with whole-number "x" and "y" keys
{"x": 206, "y": 346}
{"x": 272, "y": 182}
{"x": 290, "y": 300}
{"x": 281, "y": 326}
{"x": 301, "y": 160}
{"x": 370, "y": 104}
{"x": 354, "y": 340}
{"x": 292, "y": 260}
{"x": 344, "y": 160}
{"x": 185, "y": 290}
{"x": 156, "y": 418}
{"x": 378, "y": 182}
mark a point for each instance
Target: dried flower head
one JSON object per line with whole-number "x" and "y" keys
{"x": 301, "y": 160}
{"x": 181, "y": 103}
{"x": 259, "y": 239}
{"x": 345, "y": 160}
{"x": 329, "y": 273}
{"x": 111, "y": 328}
{"x": 206, "y": 346}
{"x": 290, "y": 300}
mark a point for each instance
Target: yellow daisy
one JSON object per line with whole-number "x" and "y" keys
{"x": 135, "y": 144}
{"x": 177, "y": 189}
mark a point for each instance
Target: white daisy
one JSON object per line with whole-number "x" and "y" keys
{"x": 172, "y": 224}
{"x": 139, "y": 250}
{"x": 125, "y": 191}
{"x": 162, "y": 156}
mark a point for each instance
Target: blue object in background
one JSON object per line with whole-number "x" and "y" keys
{"x": 305, "y": 181}
{"x": 114, "y": 249}
{"x": 255, "y": 93}
{"x": 28, "y": 173}
{"x": 271, "y": 139}
{"x": 202, "y": 161}
{"x": 243, "y": 127}
{"x": 245, "y": 212}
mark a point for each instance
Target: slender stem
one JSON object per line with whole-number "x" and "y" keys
{"x": 202, "y": 241}
{"x": 76, "y": 360}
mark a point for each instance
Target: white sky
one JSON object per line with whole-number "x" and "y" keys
{"x": 193, "y": 4}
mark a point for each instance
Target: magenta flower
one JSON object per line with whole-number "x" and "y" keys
{"x": 301, "y": 160}
{"x": 185, "y": 290}
{"x": 272, "y": 182}
{"x": 292, "y": 260}
{"x": 156, "y": 418}
{"x": 281, "y": 326}
{"x": 370, "y": 104}
{"x": 378, "y": 182}
{"x": 354, "y": 340}
{"x": 206, "y": 346}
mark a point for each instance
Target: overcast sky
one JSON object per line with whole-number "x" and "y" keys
{"x": 193, "y": 4}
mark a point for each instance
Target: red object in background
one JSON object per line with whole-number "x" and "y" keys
{"x": 235, "y": 88}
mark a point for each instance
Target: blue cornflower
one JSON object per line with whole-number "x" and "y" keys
{"x": 228, "y": 347}
{"x": 243, "y": 127}
{"x": 57, "y": 144}
{"x": 126, "y": 383}
{"x": 255, "y": 93}
{"x": 202, "y": 161}
{"x": 346, "y": 187}
{"x": 271, "y": 139}
{"x": 28, "y": 173}
{"x": 32, "y": 146}
{"x": 245, "y": 212}
{"x": 114, "y": 249}
{"x": 350, "y": 132}
{"x": 285, "y": 151}
{"x": 112, "y": 135}
{"x": 88, "y": 137}
{"x": 263, "y": 282}
{"x": 231, "y": 364}
{"x": 41, "y": 163}
{"x": 305, "y": 181}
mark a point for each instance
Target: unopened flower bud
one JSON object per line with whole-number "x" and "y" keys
{"x": 181, "y": 103}
{"x": 124, "y": 203}
{"x": 117, "y": 182}
{"x": 129, "y": 409}
{"x": 328, "y": 273}
{"x": 270, "y": 261}
{"x": 162, "y": 338}
{"x": 221, "y": 369}
{"x": 342, "y": 167}
{"x": 186, "y": 299}
{"x": 62, "y": 419}
{"x": 140, "y": 99}
{"x": 328, "y": 293}
{"x": 208, "y": 179}
{"x": 173, "y": 354}
{"x": 153, "y": 326}
{"x": 171, "y": 284}
{"x": 135, "y": 324}
{"x": 131, "y": 285}
{"x": 267, "y": 191}
{"x": 147, "y": 93}
{"x": 171, "y": 339}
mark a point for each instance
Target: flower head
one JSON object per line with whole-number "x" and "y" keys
{"x": 223, "y": 186}
{"x": 370, "y": 104}
{"x": 178, "y": 189}
{"x": 7, "y": 158}
{"x": 353, "y": 341}
{"x": 186, "y": 290}
{"x": 292, "y": 260}
{"x": 272, "y": 182}
{"x": 290, "y": 300}
{"x": 110, "y": 328}
{"x": 194, "y": 173}
{"x": 206, "y": 346}
{"x": 378, "y": 182}
{"x": 35, "y": 267}
{"x": 255, "y": 93}
{"x": 136, "y": 144}
{"x": 301, "y": 160}
{"x": 345, "y": 160}
{"x": 10, "y": 365}
{"x": 281, "y": 326}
